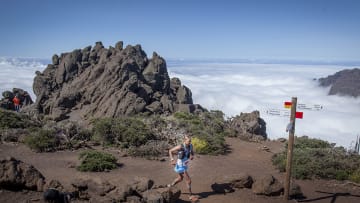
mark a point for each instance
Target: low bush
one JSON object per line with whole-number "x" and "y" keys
{"x": 150, "y": 150}
{"x": 42, "y": 141}
{"x": 207, "y": 127}
{"x": 314, "y": 158}
{"x": 125, "y": 132}
{"x": 200, "y": 145}
{"x": 355, "y": 176}
{"x": 96, "y": 161}
{"x": 10, "y": 119}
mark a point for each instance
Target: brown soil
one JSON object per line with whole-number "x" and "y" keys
{"x": 204, "y": 170}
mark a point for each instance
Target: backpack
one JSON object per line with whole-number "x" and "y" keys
{"x": 183, "y": 153}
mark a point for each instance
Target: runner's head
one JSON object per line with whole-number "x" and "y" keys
{"x": 187, "y": 139}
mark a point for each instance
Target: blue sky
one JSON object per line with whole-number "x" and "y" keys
{"x": 321, "y": 30}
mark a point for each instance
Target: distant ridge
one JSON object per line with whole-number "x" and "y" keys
{"x": 345, "y": 82}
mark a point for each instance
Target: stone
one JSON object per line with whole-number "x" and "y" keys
{"x": 249, "y": 126}
{"x": 7, "y": 101}
{"x": 119, "y": 45}
{"x": 152, "y": 196}
{"x": 141, "y": 184}
{"x": 241, "y": 180}
{"x": 295, "y": 191}
{"x": 267, "y": 185}
{"x": 55, "y": 59}
{"x": 17, "y": 175}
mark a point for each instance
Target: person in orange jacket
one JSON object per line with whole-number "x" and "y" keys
{"x": 16, "y": 101}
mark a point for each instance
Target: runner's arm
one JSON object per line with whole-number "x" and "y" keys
{"x": 172, "y": 150}
{"x": 192, "y": 153}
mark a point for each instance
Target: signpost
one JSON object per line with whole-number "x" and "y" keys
{"x": 278, "y": 112}
{"x": 291, "y": 129}
{"x": 312, "y": 107}
{"x": 290, "y": 147}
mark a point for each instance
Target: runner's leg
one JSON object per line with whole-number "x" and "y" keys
{"x": 178, "y": 179}
{"x": 188, "y": 181}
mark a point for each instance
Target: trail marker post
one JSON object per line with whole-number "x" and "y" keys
{"x": 290, "y": 148}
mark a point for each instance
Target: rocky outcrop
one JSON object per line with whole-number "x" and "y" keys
{"x": 7, "y": 101}
{"x": 249, "y": 126}
{"x": 140, "y": 189}
{"x": 100, "y": 82}
{"x": 345, "y": 82}
{"x": 230, "y": 182}
{"x": 267, "y": 185}
{"x": 17, "y": 175}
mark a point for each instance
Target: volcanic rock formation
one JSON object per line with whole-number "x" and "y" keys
{"x": 99, "y": 82}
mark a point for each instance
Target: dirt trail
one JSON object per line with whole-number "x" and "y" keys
{"x": 204, "y": 170}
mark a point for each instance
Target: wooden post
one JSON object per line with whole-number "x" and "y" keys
{"x": 290, "y": 148}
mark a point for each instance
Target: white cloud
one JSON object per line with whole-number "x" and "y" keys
{"x": 239, "y": 87}
{"x": 19, "y": 73}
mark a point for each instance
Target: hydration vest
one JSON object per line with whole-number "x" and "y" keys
{"x": 184, "y": 152}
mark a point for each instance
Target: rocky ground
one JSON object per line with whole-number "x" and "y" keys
{"x": 206, "y": 172}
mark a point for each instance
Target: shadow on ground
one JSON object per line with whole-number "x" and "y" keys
{"x": 331, "y": 196}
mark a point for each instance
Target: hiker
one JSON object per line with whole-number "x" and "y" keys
{"x": 16, "y": 101}
{"x": 185, "y": 153}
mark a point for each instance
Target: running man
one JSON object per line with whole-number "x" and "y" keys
{"x": 185, "y": 153}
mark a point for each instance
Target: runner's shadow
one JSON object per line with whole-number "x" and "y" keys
{"x": 332, "y": 196}
{"x": 217, "y": 189}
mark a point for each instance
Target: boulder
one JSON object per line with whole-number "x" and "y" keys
{"x": 222, "y": 188}
{"x": 169, "y": 195}
{"x": 7, "y": 101}
{"x": 267, "y": 185}
{"x": 295, "y": 191}
{"x": 55, "y": 184}
{"x": 241, "y": 180}
{"x": 17, "y": 175}
{"x": 249, "y": 126}
{"x": 152, "y": 196}
{"x": 55, "y": 59}
{"x": 141, "y": 184}
{"x": 119, "y": 45}
{"x": 88, "y": 189}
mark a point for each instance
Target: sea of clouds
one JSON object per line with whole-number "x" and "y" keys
{"x": 243, "y": 87}
{"x": 19, "y": 73}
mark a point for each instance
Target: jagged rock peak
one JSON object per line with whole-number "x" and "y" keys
{"x": 101, "y": 82}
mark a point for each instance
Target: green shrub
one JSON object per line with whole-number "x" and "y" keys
{"x": 102, "y": 131}
{"x": 96, "y": 161}
{"x": 208, "y": 127}
{"x": 10, "y": 119}
{"x": 150, "y": 150}
{"x": 355, "y": 176}
{"x": 125, "y": 132}
{"x": 42, "y": 141}
{"x": 314, "y": 158}
{"x": 305, "y": 142}
{"x": 200, "y": 145}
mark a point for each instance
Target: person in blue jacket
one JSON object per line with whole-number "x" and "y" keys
{"x": 185, "y": 153}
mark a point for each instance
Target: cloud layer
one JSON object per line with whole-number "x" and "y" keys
{"x": 18, "y": 73}
{"x": 240, "y": 87}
